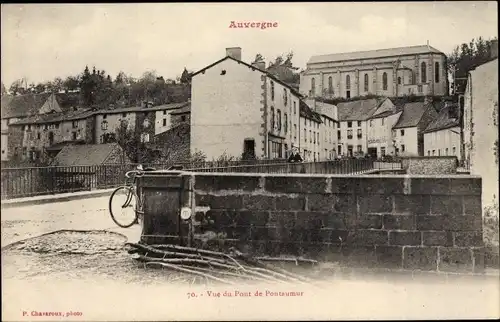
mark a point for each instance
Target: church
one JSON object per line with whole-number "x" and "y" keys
{"x": 417, "y": 70}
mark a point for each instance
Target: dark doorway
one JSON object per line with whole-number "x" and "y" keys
{"x": 372, "y": 152}
{"x": 348, "y": 94}
{"x": 249, "y": 149}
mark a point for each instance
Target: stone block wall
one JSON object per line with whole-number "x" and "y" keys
{"x": 405, "y": 222}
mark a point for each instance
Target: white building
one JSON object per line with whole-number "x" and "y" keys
{"x": 481, "y": 128}
{"x": 380, "y": 124}
{"x": 239, "y": 108}
{"x": 442, "y": 136}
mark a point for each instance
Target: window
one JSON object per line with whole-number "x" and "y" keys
{"x": 38, "y": 135}
{"x": 272, "y": 91}
{"x": 74, "y": 136}
{"x": 317, "y": 134}
{"x": 348, "y": 86}
{"x": 360, "y": 134}
{"x": 436, "y": 72}
{"x": 314, "y": 140}
{"x": 294, "y": 107}
{"x": 313, "y": 86}
{"x": 402, "y": 148}
{"x": 164, "y": 122}
{"x": 428, "y": 152}
{"x": 164, "y": 113}
{"x": 330, "y": 85}
{"x": 183, "y": 118}
{"x": 384, "y": 81}
{"x": 51, "y": 138}
{"x": 371, "y": 123}
{"x": 360, "y": 149}
{"x": 433, "y": 152}
{"x": 57, "y": 125}
{"x": 454, "y": 151}
{"x": 278, "y": 119}
{"x": 339, "y": 135}
{"x": 383, "y": 119}
{"x": 382, "y": 151}
{"x": 402, "y": 132}
{"x": 272, "y": 118}
{"x": 125, "y": 114}
{"x": 104, "y": 116}
{"x": 366, "y": 82}
{"x": 310, "y": 136}
{"x": 359, "y": 123}
{"x": 423, "y": 72}
{"x": 349, "y": 150}
{"x": 285, "y": 123}
{"x": 446, "y": 151}
{"x": 305, "y": 135}
{"x": 349, "y": 134}
{"x": 349, "y": 124}
{"x": 339, "y": 149}
{"x": 399, "y": 80}
{"x": 295, "y": 131}
{"x": 285, "y": 97}
{"x": 145, "y": 137}
{"x": 104, "y": 125}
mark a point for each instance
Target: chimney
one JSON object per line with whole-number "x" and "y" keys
{"x": 260, "y": 65}
{"x": 234, "y": 52}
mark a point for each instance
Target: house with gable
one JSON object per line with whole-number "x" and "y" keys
{"x": 442, "y": 135}
{"x": 239, "y": 108}
{"x": 408, "y": 132}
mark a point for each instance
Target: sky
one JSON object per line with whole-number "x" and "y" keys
{"x": 44, "y": 41}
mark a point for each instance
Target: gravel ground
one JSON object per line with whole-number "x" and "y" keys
{"x": 88, "y": 275}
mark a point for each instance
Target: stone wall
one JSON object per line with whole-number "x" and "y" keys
{"x": 428, "y": 223}
{"x": 430, "y": 165}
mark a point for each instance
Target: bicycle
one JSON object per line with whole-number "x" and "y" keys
{"x": 132, "y": 207}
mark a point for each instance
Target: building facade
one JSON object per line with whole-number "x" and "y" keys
{"x": 442, "y": 136}
{"x": 380, "y": 139}
{"x": 481, "y": 128}
{"x": 239, "y": 109}
{"x": 418, "y": 70}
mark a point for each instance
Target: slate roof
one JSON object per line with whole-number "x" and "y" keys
{"x": 359, "y": 110}
{"x": 412, "y": 114}
{"x": 84, "y": 154}
{"x": 369, "y": 54}
{"x": 22, "y": 105}
{"x": 307, "y": 112}
{"x": 183, "y": 110}
{"x": 443, "y": 120}
{"x": 55, "y": 117}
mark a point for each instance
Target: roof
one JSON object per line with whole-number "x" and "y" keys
{"x": 412, "y": 113}
{"x": 356, "y": 55}
{"x": 443, "y": 120}
{"x": 55, "y": 117}
{"x": 22, "y": 105}
{"x": 277, "y": 80}
{"x": 83, "y": 114}
{"x": 84, "y": 154}
{"x": 307, "y": 112}
{"x": 359, "y": 110}
{"x": 182, "y": 110}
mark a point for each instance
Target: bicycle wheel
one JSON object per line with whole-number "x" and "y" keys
{"x": 122, "y": 206}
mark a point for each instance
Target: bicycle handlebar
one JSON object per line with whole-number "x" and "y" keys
{"x": 136, "y": 173}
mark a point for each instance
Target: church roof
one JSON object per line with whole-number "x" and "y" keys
{"x": 378, "y": 53}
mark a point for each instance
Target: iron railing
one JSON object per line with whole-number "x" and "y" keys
{"x": 35, "y": 181}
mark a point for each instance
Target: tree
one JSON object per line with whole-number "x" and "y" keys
{"x": 18, "y": 87}
{"x": 129, "y": 141}
{"x": 185, "y": 77}
{"x": 258, "y": 58}
{"x": 4, "y": 90}
{"x": 71, "y": 83}
{"x": 466, "y": 57}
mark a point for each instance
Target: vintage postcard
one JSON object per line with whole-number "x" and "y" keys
{"x": 244, "y": 161}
